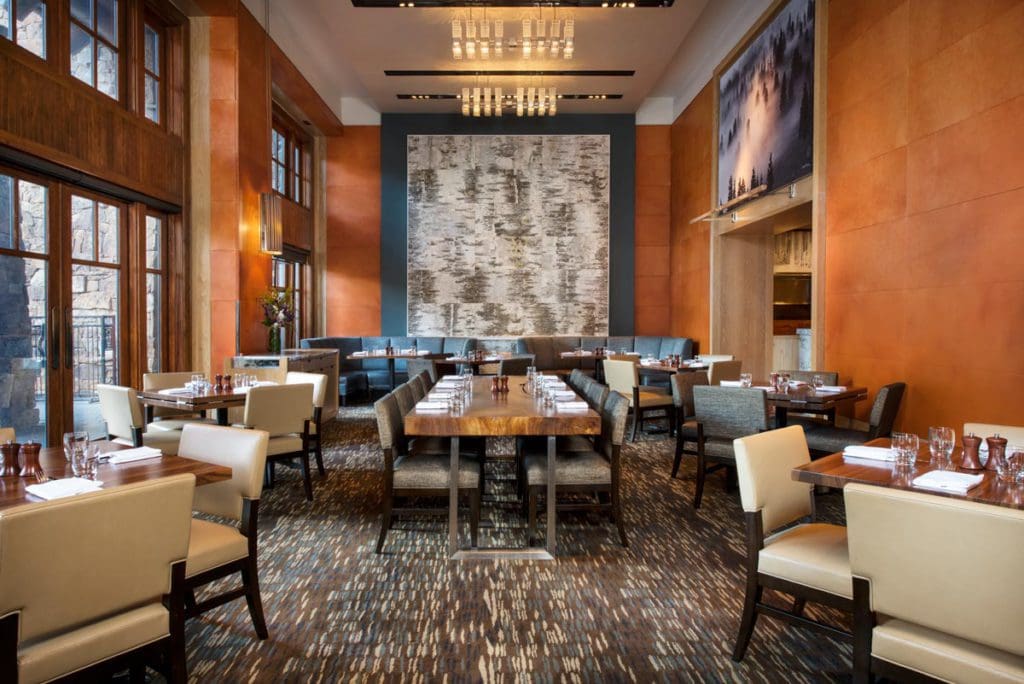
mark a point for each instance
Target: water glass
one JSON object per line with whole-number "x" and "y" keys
{"x": 817, "y": 382}
{"x": 906, "y": 445}
{"x": 1012, "y": 467}
{"x": 92, "y": 461}
{"x": 746, "y": 379}
{"x": 74, "y": 442}
{"x": 940, "y": 443}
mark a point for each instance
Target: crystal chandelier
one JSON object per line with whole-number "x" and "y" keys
{"x": 528, "y": 101}
{"x": 472, "y": 39}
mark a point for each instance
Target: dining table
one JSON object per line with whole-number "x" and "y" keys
{"x": 516, "y": 413}
{"x": 56, "y": 466}
{"x": 837, "y": 470}
{"x": 185, "y": 399}
{"x": 805, "y": 399}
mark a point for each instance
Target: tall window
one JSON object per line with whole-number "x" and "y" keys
{"x": 95, "y": 27}
{"x": 279, "y": 155}
{"x": 152, "y": 58}
{"x": 24, "y": 23}
{"x": 156, "y": 270}
{"x": 290, "y": 272}
{"x": 291, "y": 168}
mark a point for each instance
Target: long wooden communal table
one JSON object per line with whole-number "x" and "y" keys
{"x": 186, "y": 400}
{"x": 515, "y": 413}
{"x": 835, "y": 471}
{"x": 12, "y": 489}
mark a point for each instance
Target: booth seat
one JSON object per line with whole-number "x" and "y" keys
{"x": 548, "y": 349}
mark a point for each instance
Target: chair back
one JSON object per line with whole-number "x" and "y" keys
{"x": 120, "y": 409}
{"x": 596, "y": 394}
{"x": 515, "y": 365}
{"x": 417, "y": 389}
{"x": 416, "y": 366}
{"x": 724, "y": 370}
{"x": 317, "y": 380}
{"x": 1014, "y": 434}
{"x": 828, "y": 377}
{"x": 244, "y": 451}
{"x": 279, "y": 409}
{"x": 920, "y": 551}
{"x": 884, "y": 410}
{"x": 613, "y": 423}
{"x": 158, "y": 381}
{"x": 730, "y": 412}
{"x": 70, "y": 562}
{"x": 6, "y": 435}
{"x": 389, "y": 421}
{"x": 403, "y": 395}
{"x": 682, "y": 390}
{"x": 576, "y": 380}
{"x": 764, "y": 466}
{"x": 621, "y": 376}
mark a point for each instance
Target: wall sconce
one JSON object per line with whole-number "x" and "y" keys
{"x": 271, "y": 225}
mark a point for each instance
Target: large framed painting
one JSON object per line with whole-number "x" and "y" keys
{"x": 766, "y": 105}
{"x": 508, "y": 234}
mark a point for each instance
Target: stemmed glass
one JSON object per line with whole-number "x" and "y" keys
{"x": 940, "y": 444}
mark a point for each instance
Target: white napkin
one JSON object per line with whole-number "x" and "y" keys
{"x": 766, "y": 388}
{"x": 410, "y": 350}
{"x": 551, "y": 380}
{"x": 831, "y": 388}
{"x": 360, "y": 353}
{"x": 695, "y": 364}
{"x": 565, "y": 395}
{"x": 450, "y": 377}
{"x": 948, "y": 481}
{"x": 730, "y": 383}
{"x": 447, "y": 384}
{"x": 439, "y": 395}
{"x": 431, "y": 406}
{"x": 422, "y": 352}
{"x": 869, "y": 453}
{"x": 176, "y": 390}
{"x": 69, "y": 486}
{"x": 649, "y": 362}
{"x": 137, "y": 454}
{"x": 572, "y": 406}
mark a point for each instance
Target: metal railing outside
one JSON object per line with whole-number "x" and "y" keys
{"x": 94, "y": 352}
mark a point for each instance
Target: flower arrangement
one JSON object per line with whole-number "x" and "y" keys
{"x": 278, "y": 314}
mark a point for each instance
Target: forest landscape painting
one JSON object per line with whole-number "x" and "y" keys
{"x": 766, "y": 106}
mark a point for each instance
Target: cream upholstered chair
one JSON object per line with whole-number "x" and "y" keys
{"x": 686, "y": 421}
{"x": 316, "y": 428}
{"x": 6, "y": 435}
{"x": 937, "y": 587}
{"x": 216, "y": 550}
{"x": 94, "y": 583}
{"x": 126, "y": 423}
{"x": 623, "y": 377}
{"x": 724, "y": 370}
{"x": 1014, "y": 434}
{"x": 160, "y": 417}
{"x": 284, "y": 412}
{"x": 808, "y": 561}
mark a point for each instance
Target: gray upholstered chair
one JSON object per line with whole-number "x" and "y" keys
{"x": 423, "y": 378}
{"x": 416, "y": 387}
{"x": 415, "y": 367}
{"x": 126, "y": 422}
{"x": 419, "y": 475}
{"x": 624, "y": 378}
{"x": 403, "y": 394}
{"x": 319, "y": 382}
{"x": 594, "y": 471}
{"x": 807, "y": 561}
{"x": 95, "y": 583}
{"x": 724, "y": 414}
{"x": 686, "y": 422}
{"x": 724, "y": 370}
{"x": 595, "y": 393}
{"x": 515, "y": 365}
{"x": 285, "y": 412}
{"x": 217, "y": 550}
{"x": 922, "y": 611}
{"x": 827, "y": 439}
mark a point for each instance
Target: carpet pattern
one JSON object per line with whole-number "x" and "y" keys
{"x": 664, "y": 609}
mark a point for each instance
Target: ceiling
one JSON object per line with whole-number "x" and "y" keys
{"x": 344, "y": 52}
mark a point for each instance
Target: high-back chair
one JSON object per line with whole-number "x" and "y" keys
{"x": 285, "y": 413}
{"x": 515, "y": 365}
{"x": 807, "y": 561}
{"x": 161, "y": 417}
{"x": 724, "y": 414}
{"x": 418, "y": 475}
{"x": 623, "y": 377}
{"x": 403, "y": 395}
{"x": 828, "y": 439}
{"x": 595, "y": 393}
{"x": 686, "y": 423}
{"x": 316, "y": 428}
{"x": 416, "y": 387}
{"x": 416, "y": 366}
{"x": 937, "y": 588}
{"x": 126, "y": 423}
{"x": 724, "y": 370}
{"x": 95, "y": 583}
{"x": 216, "y": 550}
{"x": 6, "y": 435}
{"x": 577, "y": 380}
{"x": 594, "y": 471}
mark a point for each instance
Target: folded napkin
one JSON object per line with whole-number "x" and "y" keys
{"x": 556, "y": 385}
{"x": 360, "y": 353}
{"x": 766, "y": 388}
{"x": 831, "y": 388}
{"x": 695, "y": 364}
{"x": 431, "y": 406}
{"x": 177, "y": 390}
{"x": 450, "y": 377}
{"x": 137, "y": 454}
{"x": 439, "y": 395}
{"x": 572, "y": 406}
{"x": 422, "y": 352}
{"x": 948, "y": 481}
{"x": 869, "y": 453}
{"x": 565, "y": 395}
{"x": 730, "y": 383}
{"x": 448, "y": 384}
{"x": 649, "y": 362}
{"x": 568, "y": 355}
{"x": 551, "y": 379}
{"x": 69, "y": 486}
{"x": 410, "y": 350}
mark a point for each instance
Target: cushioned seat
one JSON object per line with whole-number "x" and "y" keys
{"x": 943, "y": 655}
{"x": 442, "y": 445}
{"x": 831, "y": 439}
{"x": 571, "y": 468}
{"x": 826, "y": 439}
{"x": 212, "y": 545}
{"x": 284, "y": 444}
{"x": 164, "y": 440}
{"x": 650, "y": 398}
{"x": 813, "y": 555}
{"x": 430, "y": 471}
{"x": 126, "y": 422}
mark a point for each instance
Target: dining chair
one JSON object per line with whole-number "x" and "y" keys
{"x": 595, "y": 393}
{"x": 403, "y": 394}
{"x": 423, "y": 380}
{"x": 596, "y": 471}
{"x": 722, "y": 415}
{"x": 686, "y": 416}
{"x": 808, "y": 560}
{"x": 828, "y": 439}
{"x": 411, "y": 475}
{"x": 162, "y": 417}
{"x": 622, "y": 377}
{"x": 316, "y": 428}
{"x": 416, "y": 387}
{"x": 93, "y": 584}
{"x": 937, "y": 589}
{"x": 724, "y": 370}
{"x": 6, "y": 434}
{"x": 217, "y": 550}
{"x": 285, "y": 413}
{"x": 416, "y": 366}
{"x": 126, "y": 423}
{"x": 576, "y": 380}
{"x": 515, "y": 365}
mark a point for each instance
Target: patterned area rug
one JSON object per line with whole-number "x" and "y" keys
{"x": 664, "y": 609}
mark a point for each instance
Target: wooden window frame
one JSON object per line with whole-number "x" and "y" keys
{"x": 155, "y": 23}
{"x": 165, "y": 276}
{"x": 122, "y": 49}
{"x": 47, "y": 30}
{"x": 297, "y": 173}
{"x": 297, "y": 264}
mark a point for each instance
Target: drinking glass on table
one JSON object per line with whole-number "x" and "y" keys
{"x": 940, "y": 444}
{"x": 746, "y": 379}
{"x": 1011, "y": 468}
{"x": 906, "y": 445}
{"x": 74, "y": 442}
{"x": 817, "y": 382}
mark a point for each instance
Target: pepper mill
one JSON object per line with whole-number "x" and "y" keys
{"x": 996, "y": 452}
{"x": 30, "y": 460}
{"x": 495, "y": 387}
{"x": 9, "y": 452}
{"x": 227, "y": 384}
{"x": 218, "y": 385}
{"x": 504, "y": 384}
{"x": 971, "y": 444}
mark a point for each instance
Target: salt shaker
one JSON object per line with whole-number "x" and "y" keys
{"x": 30, "y": 460}
{"x": 9, "y": 452}
{"x": 971, "y": 444}
{"x": 996, "y": 452}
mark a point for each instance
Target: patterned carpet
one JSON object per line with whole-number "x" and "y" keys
{"x": 664, "y": 609}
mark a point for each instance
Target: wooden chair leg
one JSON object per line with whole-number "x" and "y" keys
{"x": 137, "y": 672}
{"x": 531, "y": 525}
{"x": 268, "y": 477}
{"x": 251, "y": 582}
{"x": 190, "y": 599}
{"x": 798, "y": 606}
{"x": 474, "y": 515}
{"x": 749, "y": 619}
{"x": 319, "y": 456}
{"x": 702, "y": 475}
{"x": 385, "y": 521}
{"x": 307, "y": 481}
{"x": 679, "y": 454}
{"x": 636, "y": 422}
{"x": 617, "y": 516}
